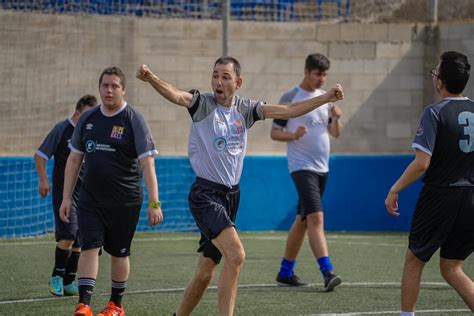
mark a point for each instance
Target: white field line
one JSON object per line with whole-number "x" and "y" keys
{"x": 333, "y": 239}
{"x": 395, "y": 312}
{"x": 242, "y": 286}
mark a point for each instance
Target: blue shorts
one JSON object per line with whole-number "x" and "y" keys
{"x": 214, "y": 208}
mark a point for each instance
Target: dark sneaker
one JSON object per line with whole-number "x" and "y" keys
{"x": 331, "y": 281}
{"x": 289, "y": 280}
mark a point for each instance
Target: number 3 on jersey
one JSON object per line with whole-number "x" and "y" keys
{"x": 464, "y": 118}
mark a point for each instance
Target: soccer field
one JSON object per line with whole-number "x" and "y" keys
{"x": 163, "y": 263}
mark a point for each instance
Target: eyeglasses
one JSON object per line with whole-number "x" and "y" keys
{"x": 434, "y": 73}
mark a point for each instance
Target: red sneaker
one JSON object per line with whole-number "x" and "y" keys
{"x": 112, "y": 310}
{"x": 83, "y": 310}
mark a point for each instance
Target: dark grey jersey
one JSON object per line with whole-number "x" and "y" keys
{"x": 112, "y": 146}
{"x": 446, "y": 133}
{"x": 56, "y": 144}
{"x": 218, "y": 136}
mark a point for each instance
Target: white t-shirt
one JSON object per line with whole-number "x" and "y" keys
{"x": 310, "y": 152}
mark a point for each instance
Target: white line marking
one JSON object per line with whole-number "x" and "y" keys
{"x": 334, "y": 239}
{"x": 394, "y": 312}
{"x": 242, "y": 286}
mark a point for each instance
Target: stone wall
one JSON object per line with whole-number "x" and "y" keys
{"x": 48, "y": 61}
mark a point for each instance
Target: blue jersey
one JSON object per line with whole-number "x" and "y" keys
{"x": 112, "y": 146}
{"x": 56, "y": 144}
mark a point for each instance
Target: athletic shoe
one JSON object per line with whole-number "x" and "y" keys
{"x": 83, "y": 310}
{"x": 56, "y": 285}
{"x": 112, "y": 310}
{"x": 289, "y": 280}
{"x": 331, "y": 280}
{"x": 71, "y": 289}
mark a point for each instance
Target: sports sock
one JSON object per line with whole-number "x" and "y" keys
{"x": 60, "y": 260}
{"x": 407, "y": 314}
{"x": 118, "y": 289}
{"x": 71, "y": 268}
{"x": 325, "y": 265}
{"x": 286, "y": 268}
{"x": 86, "y": 289}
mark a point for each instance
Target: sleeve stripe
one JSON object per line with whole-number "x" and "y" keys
{"x": 42, "y": 154}
{"x": 153, "y": 152}
{"x": 423, "y": 149}
{"x": 77, "y": 151}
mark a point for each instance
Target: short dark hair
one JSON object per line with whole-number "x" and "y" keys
{"x": 454, "y": 70}
{"x": 225, "y": 60}
{"x": 317, "y": 61}
{"x": 87, "y": 100}
{"x": 113, "y": 71}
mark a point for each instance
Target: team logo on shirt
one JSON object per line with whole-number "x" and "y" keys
{"x": 237, "y": 127}
{"x": 220, "y": 144}
{"x": 117, "y": 132}
{"x": 313, "y": 122}
{"x": 419, "y": 131}
{"x": 90, "y": 146}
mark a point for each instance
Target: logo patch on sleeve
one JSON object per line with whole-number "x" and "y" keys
{"x": 419, "y": 131}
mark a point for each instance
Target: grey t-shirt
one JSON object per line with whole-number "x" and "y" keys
{"x": 218, "y": 136}
{"x": 310, "y": 152}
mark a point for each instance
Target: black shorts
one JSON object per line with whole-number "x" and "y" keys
{"x": 109, "y": 227}
{"x": 62, "y": 230}
{"x": 214, "y": 208}
{"x": 310, "y": 186}
{"x": 443, "y": 218}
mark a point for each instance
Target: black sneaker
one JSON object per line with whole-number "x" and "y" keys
{"x": 289, "y": 280}
{"x": 331, "y": 281}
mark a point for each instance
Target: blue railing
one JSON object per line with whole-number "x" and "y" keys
{"x": 266, "y": 10}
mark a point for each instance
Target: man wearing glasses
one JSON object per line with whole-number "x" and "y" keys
{"x": 444, "y": 214}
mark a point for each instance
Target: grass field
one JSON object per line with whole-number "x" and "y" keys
{"x": 163, "y": 263}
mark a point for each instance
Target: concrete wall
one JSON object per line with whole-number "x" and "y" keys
{"x": 48, "y": 61}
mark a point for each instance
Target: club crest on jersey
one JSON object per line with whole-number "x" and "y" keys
{"x": 220, "y": 144}
{"x": 419, "y": 131}
{"x": 237, "y": 127}
{"x": 117, "y": 132}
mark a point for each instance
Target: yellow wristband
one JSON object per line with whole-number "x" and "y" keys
{"x": 154, "y": 204}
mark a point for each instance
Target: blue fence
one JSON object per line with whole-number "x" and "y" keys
{"x": 353, "y": 200}
{"x": 271, "y": 10}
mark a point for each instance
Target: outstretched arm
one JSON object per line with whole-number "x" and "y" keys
{"x": 302, "y": 107}
{"x": 414, "y": 170}
{"x": 167, "y": 90}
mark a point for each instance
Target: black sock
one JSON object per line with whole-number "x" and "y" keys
{"x": 71, "y": 268}
{"x": 86, "y": 289}
{"x": 60, "y": 261}
{"x": 118, "y": 289}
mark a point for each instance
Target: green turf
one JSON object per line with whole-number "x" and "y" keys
{"x": 163, "y": 263}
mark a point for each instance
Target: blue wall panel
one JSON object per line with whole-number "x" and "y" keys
{"x": 353, "y": 200}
